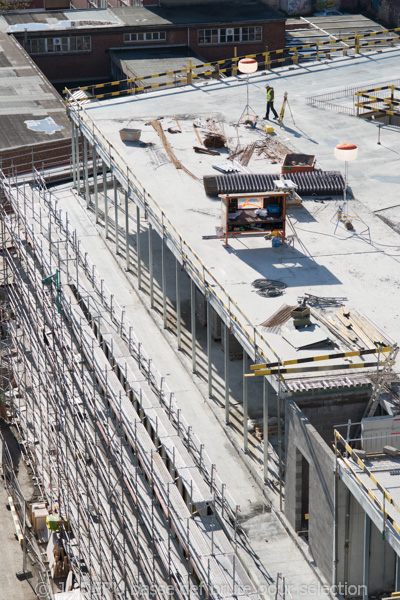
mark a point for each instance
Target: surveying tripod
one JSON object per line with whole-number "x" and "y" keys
{"x": 282, "y": 113}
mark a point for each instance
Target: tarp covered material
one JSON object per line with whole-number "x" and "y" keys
{"x": 314, "y": 183}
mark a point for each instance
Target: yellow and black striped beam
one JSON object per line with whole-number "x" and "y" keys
{"x": 297, "y": 361}
{"x": 319, "y": 45}
{"x": 264, "y": 372}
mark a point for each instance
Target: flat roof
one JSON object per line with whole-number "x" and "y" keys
{"x": 196, "y": 14}
{"x": 142, "y": 16}
{"x": 141, "y": 62}
{"x": 326, "y": 259}
{"x": 27, "y": 97}
{"x": 305, "y": 30}
{"x": 34, "y": 21}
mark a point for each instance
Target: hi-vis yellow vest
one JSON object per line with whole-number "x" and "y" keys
{"x": 269, "y": 94}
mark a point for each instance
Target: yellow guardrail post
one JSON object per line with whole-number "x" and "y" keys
{"x": 191, "y": 74}
{"x": 235, "y": 67}
{"x": 357, "y": 43}
{"x": 391, "y": 103}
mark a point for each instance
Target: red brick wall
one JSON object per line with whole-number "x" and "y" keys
{"x": 47, "y": 155}
{"x": 96, "y": 64}
{"x": 70, "y": 67}
{"x": 273, "y": 39}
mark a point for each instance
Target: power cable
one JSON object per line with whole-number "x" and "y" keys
{"x": 269, "y": 288}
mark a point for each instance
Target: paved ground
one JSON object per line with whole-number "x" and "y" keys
{"x": 11, "y": 553}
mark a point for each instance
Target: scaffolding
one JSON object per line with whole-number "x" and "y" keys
{"x": 141, "y": 504}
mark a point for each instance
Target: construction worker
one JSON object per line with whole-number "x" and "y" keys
{"x": 270, "y": 102}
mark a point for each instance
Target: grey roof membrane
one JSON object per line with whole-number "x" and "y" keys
{"x": 146, "y": 61}
{"x": 195, "y": 14}
{"x": 25, "y": 95}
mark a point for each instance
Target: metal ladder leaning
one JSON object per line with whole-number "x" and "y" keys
{"x": 374, "y": 400}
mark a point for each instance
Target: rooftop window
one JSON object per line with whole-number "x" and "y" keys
{"x": 145, "y": 36}
{"x": 230, "y": 35}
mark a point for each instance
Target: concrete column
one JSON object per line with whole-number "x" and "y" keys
{"x": 164, "y": 280}
{"x": 209, "y": 347}
{"x": 178, "y": 303}
{"x": 279, "y": 400}
{"x": 397, "y": 580}
{"x": 115, "y": 186}
{"x": 193, "y": 322}
{"x": 105, "y": 199}
{"x": 151, "y": 283}
{"x": 96, "y": 190}
{"x": 127, "y": 230}
{"x": 265, "y": 412}
{"x": 245, "y": 402}
{"x": 226, "y": 334}
{"x": 86, "y": 171}
{"x": 367, "y": 538}
{"x": 139, "y": 264}
{"x": 336, "y": 524}
{"x": 73, "y": 152}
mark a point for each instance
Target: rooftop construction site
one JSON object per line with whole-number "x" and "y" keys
{"x": 199, "y": 336}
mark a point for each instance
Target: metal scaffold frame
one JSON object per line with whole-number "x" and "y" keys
{"x": 106, "y": 450}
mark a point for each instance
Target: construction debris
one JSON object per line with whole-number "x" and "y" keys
{"x": 197, "y": 133}
{"x": 243, "y": 155}
{"x": 177, "y": 163}
{"x": 206, "y": 151}
{"x": 279, "y": 317}
{"x": 214, "y": 135}
{"x": 178, "y": 124}
{"x": 362, "y": 328}
{"x": 273, "y": 149}
{"x": 269, "y": 147}
{"x": 256, "y": 426}
{"x": 214, "y": 140}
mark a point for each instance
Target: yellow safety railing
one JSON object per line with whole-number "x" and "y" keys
{"x": 319, "y": 357}
{"x": 389, "y": 103}
{"x": 387, "y": 497}
{"x": 268, "y": 60}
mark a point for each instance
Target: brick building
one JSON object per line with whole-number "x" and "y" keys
{"x": 82, "y": 40}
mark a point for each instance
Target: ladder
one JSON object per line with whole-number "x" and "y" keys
{"x": 380, "y": 380}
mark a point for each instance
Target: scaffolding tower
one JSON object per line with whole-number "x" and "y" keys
{"x": 140, "y": 504}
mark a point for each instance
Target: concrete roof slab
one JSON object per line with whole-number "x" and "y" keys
{"x": 327, "y": 260}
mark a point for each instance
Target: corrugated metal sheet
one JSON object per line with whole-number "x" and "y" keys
{"x": 317, "y": 182}
{"x": 280, "y": 316}
{"x": 304, "y": 385}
